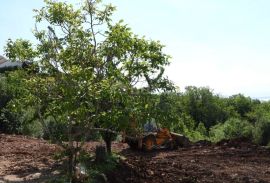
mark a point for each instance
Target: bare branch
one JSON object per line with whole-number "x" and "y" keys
{"x": 90, "y": 11}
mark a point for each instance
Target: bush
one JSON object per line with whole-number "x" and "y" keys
{"x": 232, "y": 128}
{"x": 200, "y": 133}
{"x": 261, "y": 132}
{"x": 54, "y": 131}
{"x": 34, "y": 129}
{"x": 9, "y": 122}
{"x": 183, "y": 125}
{"x": 186, "y": 126}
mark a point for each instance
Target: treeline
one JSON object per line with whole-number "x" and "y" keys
{"x": 201, "y": 114}
{"x": 198, "y": 113}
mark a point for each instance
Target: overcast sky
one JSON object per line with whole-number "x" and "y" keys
{"x": 222, "y": 44}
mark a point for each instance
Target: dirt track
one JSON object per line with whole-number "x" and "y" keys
{"x": 25, "y": 159}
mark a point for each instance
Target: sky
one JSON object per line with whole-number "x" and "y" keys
{"x": 223, "y": 45}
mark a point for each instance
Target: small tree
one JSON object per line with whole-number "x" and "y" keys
{"x": 89, "y": 70}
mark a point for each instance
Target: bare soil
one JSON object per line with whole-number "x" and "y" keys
{"x": 227, "y": 161}
{"x": 24, "y": 159}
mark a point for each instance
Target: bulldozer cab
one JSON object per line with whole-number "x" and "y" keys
{"x": 150, "y": 126}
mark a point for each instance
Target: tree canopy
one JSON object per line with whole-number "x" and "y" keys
{"x": 92, "y": 72}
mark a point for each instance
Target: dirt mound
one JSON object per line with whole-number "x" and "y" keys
{"x": 237, "y": 143}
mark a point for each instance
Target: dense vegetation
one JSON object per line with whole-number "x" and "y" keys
{"x": 197, "y": 113}
{"x": 83, "y": 81}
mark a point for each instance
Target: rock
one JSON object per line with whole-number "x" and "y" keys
{"x": 56, "y": 172}
{"x": 12, "y": 178}
{"x": 150, "y": 172}
{"x": 34, "y": 176}
{"x": 233, "y": 176}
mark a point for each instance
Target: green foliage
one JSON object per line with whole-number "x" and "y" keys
{"x": 89, "y": 68}
{"x": 232, "y": 128}
{"x": 55, "y": 131}
{"x": 201, "y": 129}
{"x": 167, "y": 109}
{"x": 262, "y": 130}
{"x": 15, "y": 117}
{"x": 199, "y": 114}
{"x": 19, "y": 50}
{"x": 203, "y": 106}
{"x": 199, "y": 133}
{"x": 9, "y": 122}
{"x": 34, "y": 129}
{"x": 94, "y": 170}
{"x": 109, "y": 164}
{"x": 241, "y": 104}
{"x": 184, "y": 125}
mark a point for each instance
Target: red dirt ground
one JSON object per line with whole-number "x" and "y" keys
{"x": 24, "y": 159}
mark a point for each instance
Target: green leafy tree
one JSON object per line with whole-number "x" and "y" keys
{"x": 203, "y": 106}
{"x": 10, "y": 88}
{"x": 167, "y": 109}
{"x": 89, "y": 72}
{"x": 241, "y": 104}
{"x": 19, "y": 50}
{"x": 8, "y": 121}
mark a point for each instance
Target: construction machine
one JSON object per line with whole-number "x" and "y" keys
{"x": 161, "y": 139}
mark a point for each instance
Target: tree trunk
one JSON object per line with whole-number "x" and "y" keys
{"x": 109, "y": 145}
{"x": 70, "y": 151}
{"x": 70, "y": 165}
{"x": 108, "y": 138}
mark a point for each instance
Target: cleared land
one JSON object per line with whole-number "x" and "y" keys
{"x": 24, "y": 159}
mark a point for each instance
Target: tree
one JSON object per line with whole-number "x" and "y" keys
{"x": 8, "y": 123}
{"x": 241, "y": 104}
{"x": 19, "y": 50}
{"x": 260, "y": 118}
{"x": 204, "y": 106}
{"x": 89, "y": 70}
{"x": 10, "y": 88}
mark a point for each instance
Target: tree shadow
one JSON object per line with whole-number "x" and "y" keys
{"x": 141, "y": 153}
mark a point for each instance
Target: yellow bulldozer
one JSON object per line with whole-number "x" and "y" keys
{"x": 161, "y": 139}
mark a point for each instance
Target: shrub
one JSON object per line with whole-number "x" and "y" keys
{"x": 200, "y": 133}
{"x": 183, "y": 125}
{"x": 232, "y": 128}
{"x": 55, "y": 131}
{"x": 34, "y": 129}
{"x": 9, "y": 122}
{"x": 261, "y": 132}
